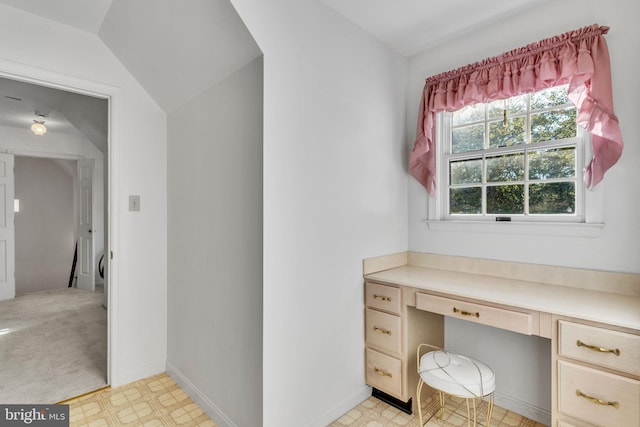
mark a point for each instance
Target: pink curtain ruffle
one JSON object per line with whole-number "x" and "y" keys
{"x": 579, "y": 57}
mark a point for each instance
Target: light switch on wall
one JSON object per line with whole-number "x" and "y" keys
{"x": 134, "y": 203}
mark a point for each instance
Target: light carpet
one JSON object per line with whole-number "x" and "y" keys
{"x": 53, "y": 346}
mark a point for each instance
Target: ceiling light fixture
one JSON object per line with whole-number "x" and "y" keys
{"x": 38, "y": 126}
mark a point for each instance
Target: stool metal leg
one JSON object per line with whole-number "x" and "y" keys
{"x": 438, "y": 414}
{"x": 475, "y": 414}
{"x": 490, "y": 411}
{"x": 441, "y": 393}
{"x": 419, "y": 401}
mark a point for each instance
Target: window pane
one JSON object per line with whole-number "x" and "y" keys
{"x": 552, "y": 198}
{"x": 505, "y": 199}
{"x": 511, "y": 134}
{"x": 468, "y": 114}
{"x": 552, "y": 125}
{"x": 552, "y": 163}
{"x": 465, "y": 171}
{"x": 465, "y": 200}
{"x": 508, "y": 167}
{"x": 468, "y": 138}
{"x": 549, "y": 97}
{"x": 514, "y": 105}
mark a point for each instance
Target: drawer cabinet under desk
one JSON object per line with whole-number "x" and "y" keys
{"x": 597, "y": 370}
{"x": 390, "y": 354}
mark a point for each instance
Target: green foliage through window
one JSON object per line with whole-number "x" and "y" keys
{"x": 514, "y": 157}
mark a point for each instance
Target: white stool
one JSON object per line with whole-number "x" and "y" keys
{"x": 456, "y": 375}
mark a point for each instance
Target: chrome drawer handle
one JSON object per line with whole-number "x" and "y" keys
{"x": 465, "y": 313}
{"x": 598, "y": 349}
{"x": 598, "y": 401}
{"x": 382, "y": 373}
{"x": 382, "y": 298}
{"x": 382, "y": 331}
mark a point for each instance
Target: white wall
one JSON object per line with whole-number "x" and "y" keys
{"x": 45, "y": 224}
{"x": 215, "y": 248}
{"x": 44, "y": 50}
{"x": 334, "y": 193}
{"x": 617, "y": 248}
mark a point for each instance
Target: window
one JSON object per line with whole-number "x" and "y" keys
{"x": 518, "y": 159}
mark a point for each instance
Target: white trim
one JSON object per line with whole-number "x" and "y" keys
{"x": 45, "y": 77}
{"x": 537, "y": 228}
{"x": 112, "y": 244}
{"x": 342, "y": 408}
{"x": 146, "y": 371}
{"x": 540, "y": 415}
{"x": 593, "y": 199}
{"x": 55, "y": 80}
{"x": 43, "y": 154}
{"x": 214, "y": 412}
{"x": 434, "y": 203}
{"x": 589, "y": 220}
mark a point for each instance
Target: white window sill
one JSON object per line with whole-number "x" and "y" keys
{"x": 530, "y": 228}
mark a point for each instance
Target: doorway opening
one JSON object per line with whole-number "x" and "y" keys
{"x": 60, "y": 187}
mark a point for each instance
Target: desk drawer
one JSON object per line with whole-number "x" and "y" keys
{"x": 382, "y": 297}
{"x": 598, "y": 397}
{"x": 492, "y": 316}
{"x": 383, "y": 330}
{"x": 603, "y": 347}
{"x": 384, "y": 373}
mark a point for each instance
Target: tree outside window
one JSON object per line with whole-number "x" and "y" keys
{"x": 514, "y": 157}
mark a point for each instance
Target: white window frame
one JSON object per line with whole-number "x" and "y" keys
{"x": 587, "y": 222}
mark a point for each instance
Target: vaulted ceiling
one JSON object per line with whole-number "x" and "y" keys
{"x": 175, "y": 50}
{"x": 63, "y": 112}
{"x": 84, "y": 15}
{"x": 411, "y": 26}
{"x": 178, "y": 49}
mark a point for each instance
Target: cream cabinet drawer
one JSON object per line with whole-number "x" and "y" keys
{"x": 382, "y": 297}
{"x": 492, "y": 316}
{"x": 383, "y": 331}
{"x": 598, "y": 397}
{"x": 384, "y": 373}
{"x": 603, "y": 347}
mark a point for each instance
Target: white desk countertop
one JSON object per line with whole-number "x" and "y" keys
{"x": 604, "y": 307}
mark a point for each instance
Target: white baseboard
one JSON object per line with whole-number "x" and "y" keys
{"x": 525, "y": 409}
{"x": 215, "y": 413}
{"x": 342, "y": 408}
{"x": 145, "y": 372}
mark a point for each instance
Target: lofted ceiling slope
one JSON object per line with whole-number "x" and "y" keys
{"x": 176, "y": 50}
{"x": 82, "y": 14}
{"x": 64, "y": 112}
{"x": 412, "y": 26}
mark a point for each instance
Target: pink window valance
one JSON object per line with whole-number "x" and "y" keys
{"x": 579, "y": 58}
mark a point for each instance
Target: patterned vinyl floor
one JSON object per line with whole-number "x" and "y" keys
{"x": 153, "y": 402}
{"x": 159, "y": 402}
{"x": 375, "y": 413}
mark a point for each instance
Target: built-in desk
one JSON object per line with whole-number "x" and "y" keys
{"x": 593, "y": 322}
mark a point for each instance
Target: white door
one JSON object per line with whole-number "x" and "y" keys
{"x": 7, "y": 229}
{"x": 85, "y": 265}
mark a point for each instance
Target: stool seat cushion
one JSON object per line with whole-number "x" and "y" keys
{"x": 456, "y": 374}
